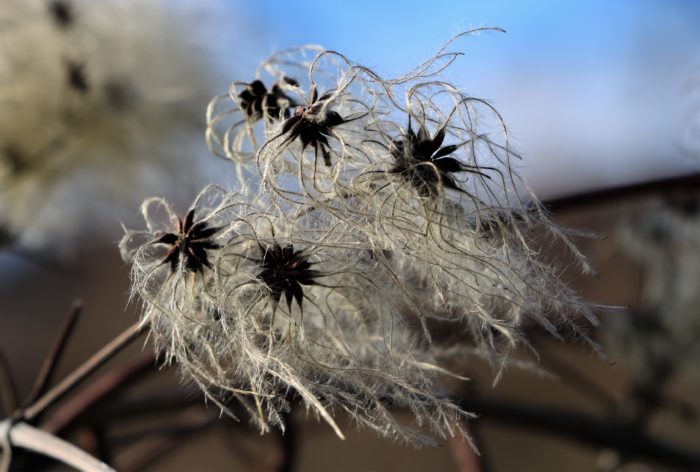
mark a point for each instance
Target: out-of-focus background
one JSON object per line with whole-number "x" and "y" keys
{"x": 101, "y": 110}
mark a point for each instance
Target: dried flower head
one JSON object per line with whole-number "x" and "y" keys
{"x": 425, "y": 164}
{"x": 313, "y": 124}
{"x": 189, "y": 245}
{"x": 235, "y": 124}
{"x": 399, "y": 231}
{"x": 336, "y": 342}
{"x": 285, "y": 271}
{"x": 257, "y": 102}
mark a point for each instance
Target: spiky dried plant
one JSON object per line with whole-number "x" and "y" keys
{"x": 369, "y": 210}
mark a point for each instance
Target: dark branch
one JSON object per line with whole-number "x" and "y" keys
{"x": 104, "y": 389}
{"x": 8, "y": 391}
{"x": 78, "y": 375}
{"x": 55, "y": 354}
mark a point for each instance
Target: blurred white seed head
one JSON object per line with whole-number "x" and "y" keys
{"x": 99, "y": 102}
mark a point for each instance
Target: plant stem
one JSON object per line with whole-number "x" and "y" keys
{"x": 79, "y": 374}
{"x": 104, "y": 388}
{"x": 54, "y": 355}
{"x": 33, "y": 439}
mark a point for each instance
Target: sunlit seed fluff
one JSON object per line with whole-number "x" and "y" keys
{"x": 277, "y": 311}
{"x": 379, "y": 211}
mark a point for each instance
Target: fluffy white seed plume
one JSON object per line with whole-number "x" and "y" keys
{"x": 254, "y": 306}
{"x": 97, "y": 99}
{"x": 372, "y": 212}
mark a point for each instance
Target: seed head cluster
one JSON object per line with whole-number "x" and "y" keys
{"x": 371, "y": 213}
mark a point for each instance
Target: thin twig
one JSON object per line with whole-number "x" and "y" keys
{"x": 105, "y": 387}
{"x": 79, "y": 374}
{"x": 8, "y": 391}
{"x": 466, "y": 459}
{"x": 99, "y": 445}
{"x": 150, "y": 451}
{"x": 480, "y": 441}
{"x": 55, "y": 354}
{"x": 143, "y": 407}
{"x": 155, "y": 447}
{"x": 290, "y": 443}
{"x": 33, "y": 439}
{"x": 6, "y": 445}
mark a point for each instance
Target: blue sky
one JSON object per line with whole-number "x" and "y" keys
{"x": 593, "y": 91}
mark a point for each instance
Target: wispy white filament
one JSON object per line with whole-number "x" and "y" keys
{"x": 401, "y": 210}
